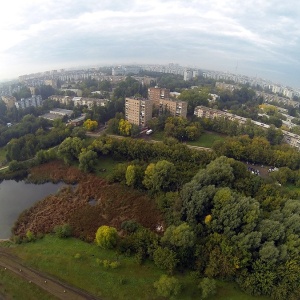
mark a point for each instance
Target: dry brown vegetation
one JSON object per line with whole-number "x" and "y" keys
{"x": 114, "y": 204}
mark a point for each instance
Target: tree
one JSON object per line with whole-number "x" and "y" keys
{"x": 165, "y": 259}
{"x": 124, "y": 127}
{"x": 159, "y": 176}
{"x": 208, "y": 287}
{"x": 63, "y": 231}
{"x": 179, "y": 236}
{"x": 90, "y": 125}
{"x": 70, "y": 149}
{"x": 106, "y": 237}
{"x": 167, "y": 286}
{"x": 87, "y": 160}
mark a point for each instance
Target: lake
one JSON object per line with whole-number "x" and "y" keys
{"x": 15, "y": 197}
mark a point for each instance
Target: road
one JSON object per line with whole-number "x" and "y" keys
{"x": 51, "y": 285}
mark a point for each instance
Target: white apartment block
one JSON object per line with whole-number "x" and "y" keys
{"x": 34, "y": 101}
{"x": 209, "y": 113}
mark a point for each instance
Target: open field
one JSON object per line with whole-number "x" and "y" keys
{"x": 206, "y": 139}
{"x": 2, "y": 155}
{"x": 14, "y": 287}
{"x": 129, "y": 281}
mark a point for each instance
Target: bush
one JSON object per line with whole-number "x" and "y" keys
{"x": 106, "y": 237}
{"x": 208, "y": 287}
{"x": 167, "y": 286}
{"x": 63, "y": 231}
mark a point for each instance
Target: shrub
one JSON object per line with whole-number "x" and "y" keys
{"x": 63, "y": 231}
{"x": 106, "y": 237}
{"x": 167, "y": 286}
{"x": 208, "y": 287}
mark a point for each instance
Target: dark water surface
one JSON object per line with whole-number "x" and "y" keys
{"x": 15, "y": 197}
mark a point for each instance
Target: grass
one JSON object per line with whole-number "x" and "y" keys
{"x": 2, "y": 154}
{"x": 129, "y": 281}
{"x": 207, "y": 139}
{"x": 106, "y": 163}
{"x": 292, "y": 188}
{"x": 14, "y": 287}
{"x": 157, "y": 136}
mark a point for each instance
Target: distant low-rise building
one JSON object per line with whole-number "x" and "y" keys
{"x": 206, "y": 112}
{"x": 57, "y": 113}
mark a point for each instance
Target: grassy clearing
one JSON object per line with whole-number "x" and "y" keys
{"x": 105, "y": 163}
{"x": 157, "y": 136}
{"x": 293, "y": 188}
{"x": 129, "y": 281}
{"x": 207, "y": 139}
{"x": 2, "y": 155}
{"x": 14, "y": 287}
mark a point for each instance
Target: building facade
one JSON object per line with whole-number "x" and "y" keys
{"x": 205, "y": 112}
{"x": 174, "y": 107}
{"x": 34, "y": 101}
{"x": 9, "y": 101}
{"x": 138, "y": 111}
{"x": 155, "y": 94}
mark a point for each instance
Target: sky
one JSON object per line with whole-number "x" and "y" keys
{"x": 254, "y": 37}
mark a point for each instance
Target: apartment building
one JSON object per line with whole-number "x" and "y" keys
{"x": 34, "y": 101}
{"x": 206, "y": 112}
{"x": 174, "y": 107}
{"x": 9, "y": 101}
{"x": 89, "y": 102}
{"x": 138, "y": 111}
{"x": 155, "y": 94}
{"x": 62, "y": 99}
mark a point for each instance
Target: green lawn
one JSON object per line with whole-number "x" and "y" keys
{"x": 129, "y": 281}
{"x": 207, "y": 139}
{"x": 2, "y": 155}
{"x": 107, "y": 163}
{"x": 14, "y": 287}
{"x": 157, "y": 136}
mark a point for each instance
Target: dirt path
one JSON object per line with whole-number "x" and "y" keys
{"x": 49, "y": 284}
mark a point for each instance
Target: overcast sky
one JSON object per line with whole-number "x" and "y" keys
{"x": 253, "y": 37}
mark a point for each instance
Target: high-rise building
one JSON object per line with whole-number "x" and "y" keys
{"x": 155, "y": 94}
{"x": 138, "y": 111}
{"x": 187, "y": 75}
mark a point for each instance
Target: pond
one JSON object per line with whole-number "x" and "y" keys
{"x": 16, "y": 196}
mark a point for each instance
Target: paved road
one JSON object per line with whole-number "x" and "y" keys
{"x": 49, "y": 284}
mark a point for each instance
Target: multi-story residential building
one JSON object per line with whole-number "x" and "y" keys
{"x": 206, "y": 112}
{"x": 89, "y": 102}
{"x": 34, "y": 101}
{"x": 187, "y": 75}
{"x": 9, "y": 101}
{"x": 174, "y": 107}
{"x": 291, "y": 139}
{"x": 62, "y": 99}
{"x": 138, "y": 111}
{"x": 155, "y": 94}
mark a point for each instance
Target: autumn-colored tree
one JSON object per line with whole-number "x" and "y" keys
{"x": 90, "y": 125}
{"x": 124, "y": 127}
{"x": 106, "y": 237}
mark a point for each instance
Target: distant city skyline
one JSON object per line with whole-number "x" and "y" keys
{"x": 255, "y": 38}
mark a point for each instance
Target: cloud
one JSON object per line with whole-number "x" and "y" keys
{"x": 254, "y": 32}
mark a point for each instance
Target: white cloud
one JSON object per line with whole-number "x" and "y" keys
{"x": 254, "y": 31}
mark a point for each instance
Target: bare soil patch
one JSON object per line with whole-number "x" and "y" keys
{"x": 114, "y": 204}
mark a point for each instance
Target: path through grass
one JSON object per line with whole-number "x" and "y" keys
{"x": 130, "y": 281}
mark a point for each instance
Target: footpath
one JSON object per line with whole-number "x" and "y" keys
{"x": 53, "y": 286}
